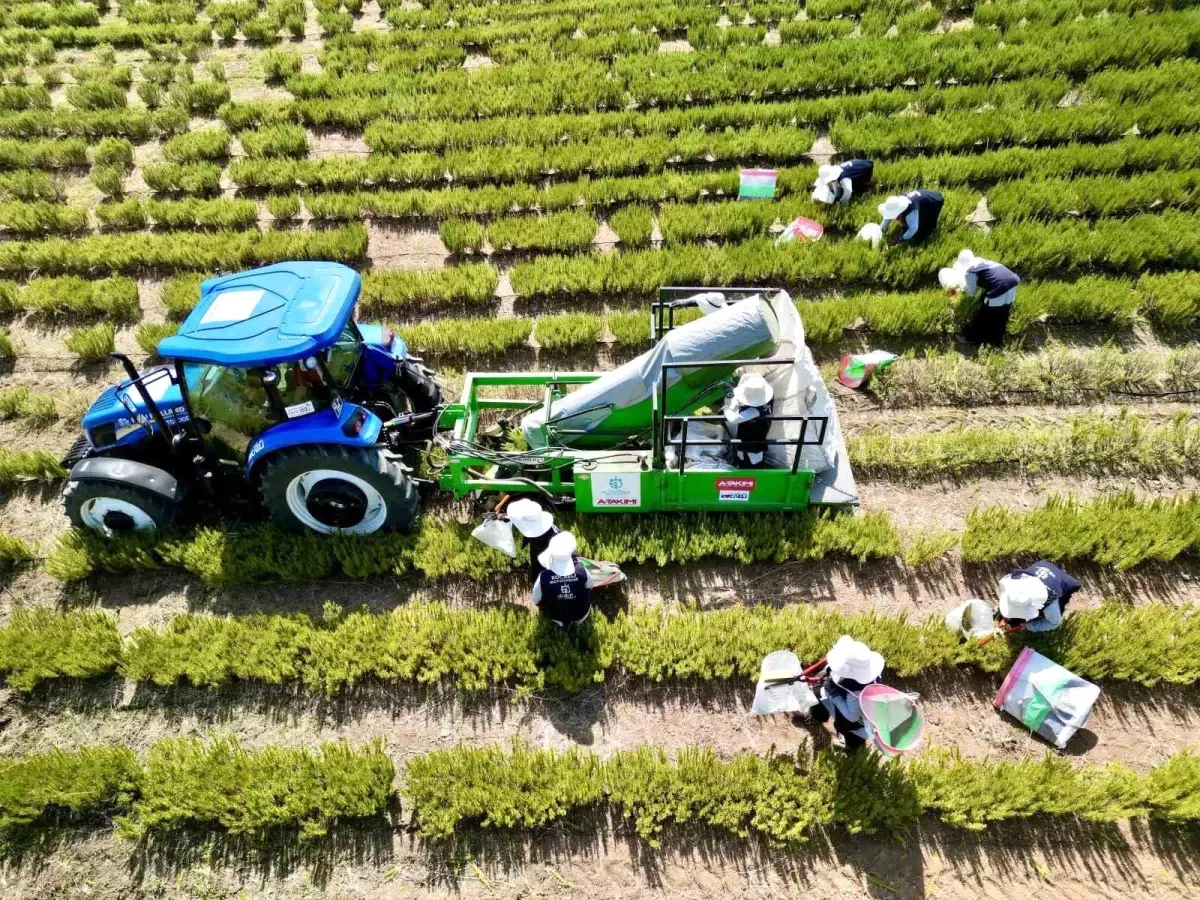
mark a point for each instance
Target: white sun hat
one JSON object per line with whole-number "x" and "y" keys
{"x": 529, "y": 518}
{"x": 854, "y": 660}
{"x": 753, "y": 390}
{"x": 952, "y": 279}
{"x": 828, "y": 173}
{"x": 893, "y": 206}
{"x": 972, "y": 618}
{"x": 559, "y": 556}
{"x": 966, "y": 259}
{"x": 1022, "y": 596}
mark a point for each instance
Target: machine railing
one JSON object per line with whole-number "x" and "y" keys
{"x": 801, "y": 440}
{"x": 663, "y": 419}
{"x": 662, "y": 310}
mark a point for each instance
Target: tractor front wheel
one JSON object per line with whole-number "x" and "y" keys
{"x": 113, "y": 509}
{"x": 332, "y": 490}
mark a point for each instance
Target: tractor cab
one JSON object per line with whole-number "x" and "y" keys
{"x": 270, "y": 366}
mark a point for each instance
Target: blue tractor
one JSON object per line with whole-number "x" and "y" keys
{"x": 270, "y": 396}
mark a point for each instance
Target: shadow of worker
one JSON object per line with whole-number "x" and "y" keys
{"x": 570, "y": 660}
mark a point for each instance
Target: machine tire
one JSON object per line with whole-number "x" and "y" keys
{"x": 321, "y": 488}
{"x": 110, "y": 508}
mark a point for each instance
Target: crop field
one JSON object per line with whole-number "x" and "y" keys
{"x": 228, "y": 711}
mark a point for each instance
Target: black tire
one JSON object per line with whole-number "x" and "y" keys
{"x": 334, "y": 504}
{"x": 84, "y": 505}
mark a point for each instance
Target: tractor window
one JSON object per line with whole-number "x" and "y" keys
{"x": 229, "y": 398}
{"x": 342, "y": 357}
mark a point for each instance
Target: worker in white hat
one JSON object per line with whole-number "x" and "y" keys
{"x": 973, "y": 275}
{"x": 909, "y": 217}
{"x": 536, "y": 526}
{"x": 563, "y": 590}
{"x": 748, "y": 411}
{"x": 838, "y": 182}
{"x": 1034, "y": 599}
{"x": 850, "y": 666}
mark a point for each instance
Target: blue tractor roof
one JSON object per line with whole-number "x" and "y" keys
{"x": 265, "y": 316}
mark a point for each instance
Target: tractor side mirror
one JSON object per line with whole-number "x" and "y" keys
{"x": 270, "y": 377}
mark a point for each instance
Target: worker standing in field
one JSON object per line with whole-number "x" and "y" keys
{"x": 563, "y": 590}
{"x": 910, "y": 217}
{"x": 838, "y": 182}
{"x": 850, "y": 666}
{"x": 1034, "y": 599}
{"x": 536, "y": 526}
{"x": 748, "y": 412}
{"x": 973, "y": 275}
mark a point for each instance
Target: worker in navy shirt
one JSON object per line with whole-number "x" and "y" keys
{"x": 910, "y": 217}
{"x": 997, "y": 284}
{"x": 748, "y": 413}
{"x": 563, "y": 590}
{"x": 536, "y": 526}
{"x": 838, "y": 182}
{"x": 1036, "y": 598}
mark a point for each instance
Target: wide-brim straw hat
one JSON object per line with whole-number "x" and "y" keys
{"x": 1022, "y": 596}
{"x": 753, "y": 390}
{"x": 528, "y": 517}
{"x": 853, "y": 660}
{"x": 559, "y": 556}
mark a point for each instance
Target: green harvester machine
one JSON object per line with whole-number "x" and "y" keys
{"x": 650, "y": 436}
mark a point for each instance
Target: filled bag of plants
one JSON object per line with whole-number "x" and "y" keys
{"x": 603, "y": 573}
{"x": 855, "y": 370}
{"x": 893, "y": 717}
{"x": 801, "y": 229}
{"x": 782, "y": 686}
{"x": 1048, "y": 699}
{"x": 498, "y": 534}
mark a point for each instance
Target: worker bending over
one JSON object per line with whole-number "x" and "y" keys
{"x": 838, "y": 182}
{"x": 536, "y": 526}
{"x": 973, "y": 274}
{"x": 563, "y": 590}
{"x": 910, "y": 217}
{"x": 1034, "y": 599}
{"x": 748, "y": 412}
{"x": 851, "y": 666}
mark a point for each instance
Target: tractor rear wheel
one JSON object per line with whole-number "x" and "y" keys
{"x": 112, "y": 509}
{"x": 332, "y": 490}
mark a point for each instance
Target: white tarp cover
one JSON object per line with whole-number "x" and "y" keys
{"x": 727, "y": 333}
{"x": 1048, "y": 699}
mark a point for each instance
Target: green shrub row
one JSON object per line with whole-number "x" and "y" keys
{"x": 884, "y": 136}
{"x": 1103, "y": 195}
{"x": 135, "y": 124}
{"x": 21, "y": 403}
{"x": 438, "y": 548}
{"x": 1126, "y": 444}
{"x": 391, "y": 136}
{"x": 94, "y": 343}
{"x": 28, "y": 465}
{"x": 274, "y": 141}
{"x": 134, "y": 215}
{"x": 601, "y": 157}
{"x": 42, "y": 154}
{"x": 114, "y": 298}
{"x": 40, "y": 217}
{"x": 1055, "y": 375}
{"x": 29, "y": 185}
{"x": 975, "y": 56}
{"x": 183, "y": 178}
{"x": 1118, "y": 531}
{"x": 1033, "y": 249}
{"x": 189, "y": 783}
{"x": 197, "y": 146}
{"x": 13, "y": 552}
{"x": 559, "y": 232}
{"x": 478, "y": 649}
{"x": 412, "y": 291}
{"x": 117, "y": 34}
{"x": 783, "y": 798}
{"x": 1170, "y": 301}
{"x": 224, "y": 250}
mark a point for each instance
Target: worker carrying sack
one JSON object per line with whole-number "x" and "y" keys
{"x": 1050, "y": 700}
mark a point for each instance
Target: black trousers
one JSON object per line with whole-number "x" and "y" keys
{"x": 841, "y": 725}
{"x": 988, "y": 325}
